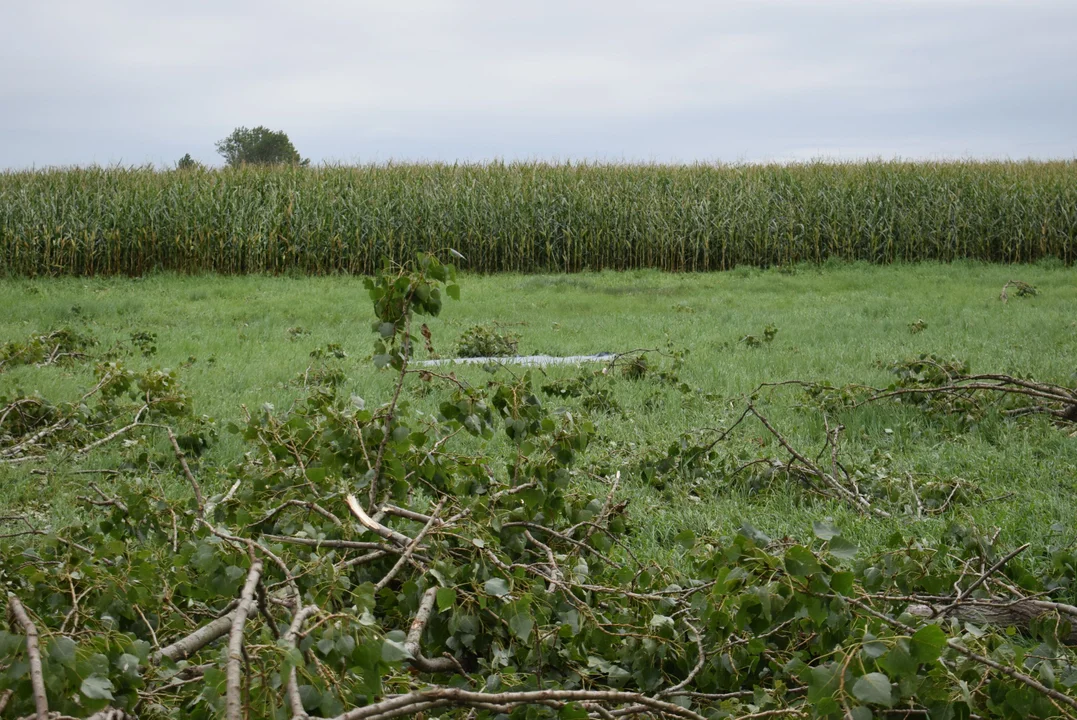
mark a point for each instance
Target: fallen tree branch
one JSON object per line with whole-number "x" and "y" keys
{"x": 112, "y": 714}
{"x": 1017, "y": 675}
{"x": 1019, "y": 613}
{"x": 444, "y": 696}
{"x": 375, "y": 526}
{"x": 837, "y": 489}
{"x": 234, "y": 674}
{"x": 309, "y": 505}
{"x": 33, "y": 653}
{"x": 292, "y": 688}
{"x": 187, "y": 471}
{"x": 190, "y": 644}
{"x": 108, "y": 438}
{"x": 413, "y": 643}
{"x": 408, "y": 552}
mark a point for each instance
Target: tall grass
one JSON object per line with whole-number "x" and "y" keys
{"x": 531, "y": 217}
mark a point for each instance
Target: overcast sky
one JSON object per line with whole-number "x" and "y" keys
{"x": 136, "y": 81}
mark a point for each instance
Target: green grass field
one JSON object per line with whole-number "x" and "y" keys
{"x": 242, "y": 341}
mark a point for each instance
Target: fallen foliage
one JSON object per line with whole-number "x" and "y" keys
{"x": 370, "y": 563}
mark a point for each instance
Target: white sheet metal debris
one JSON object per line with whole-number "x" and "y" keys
{"x": 526, "y": 360}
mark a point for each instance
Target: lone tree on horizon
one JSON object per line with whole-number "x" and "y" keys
{"x": 259, "y": 146}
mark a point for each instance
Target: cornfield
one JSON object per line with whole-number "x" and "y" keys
{"x": 532, "y": 217}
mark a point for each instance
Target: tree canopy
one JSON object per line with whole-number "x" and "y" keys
{"x": 187, "y": 163}
{"x": 259, "y": 146}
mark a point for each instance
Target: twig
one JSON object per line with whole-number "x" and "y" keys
{"x": 390, "y": 413}
{"x": 187, "y": 471}
{"x": 406, "y": 555}
{"x": 991, "y": 571}
{"x": 695, "y": 670}
{"x": 856, "y": 499}
{"x": 14, "y": 449}
{"x": 111, "y": 436}
{"x": 309, "y": 505}
{"x": 373, "y": 525}
{"x": 316, "y": 542}
{"x": 153, "y": 633}
{"x": 404, "y": 513}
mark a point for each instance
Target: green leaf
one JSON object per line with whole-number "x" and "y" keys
{"x": 823, "y": 682}
{"x": 381, "y": 361}
{"x": 309, "y": 696}
{"x": 898, "y": 661}
{"x": 824, "y": 530}
{"x": 453, "y": 291}
{"x": 62, "y": 650}
{"x": 873, "y": 688}
{"x": 572, "y": 711}
{"x": 392, "y": 647}
{"x": 345, "y": 645}
{"x": 860, "y": 713}
{"x": 757, "y": 536}
{"x": 659, "y": 621}
{"x": 842, "y": 548}
{"x": 97, "y": 687}
{"x": 686, "y": 539}
{"x": 128, "y": 665}
{"x": 801, "y": 562}
{"x": 842, "y": 583}
{"x": 521, "y": 626}
{"x": 927, "y": 643}
{"x": 446, "y": 599}
{"x": 496, "y": 587}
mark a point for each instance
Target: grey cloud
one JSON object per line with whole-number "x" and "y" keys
{"x": 684, "y": 80}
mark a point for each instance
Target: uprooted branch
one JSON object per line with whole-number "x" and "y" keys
{"x": 1043, "y": 398}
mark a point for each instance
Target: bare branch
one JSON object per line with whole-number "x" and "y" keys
{"x": 234, "y": 674}
{"x": 107, "y": 438}
{"x": 700, "y": 661}
{"x": 406, "y": 555}
{"x": 415, "y": 634}
{"x": 190, "y": 644}
{"x": 375, "y": 526}
{"x": 293, "y": 683}
{"x": 404, "y": 704}
{"x": 37, "y": 678}
{"x": 187, "y": 471}
{"x": 309, "y": 505}
{"x": 404, "y": 513}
